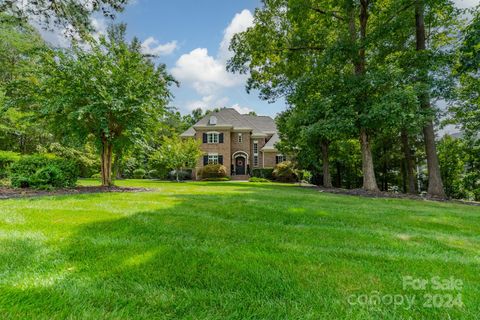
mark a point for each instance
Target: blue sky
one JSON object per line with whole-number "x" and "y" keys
{"x": 191, "y": 37}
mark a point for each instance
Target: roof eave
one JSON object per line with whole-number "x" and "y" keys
{"x": 213, "y": 127}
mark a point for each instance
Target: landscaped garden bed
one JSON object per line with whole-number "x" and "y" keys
{"x": 8, "y": 193}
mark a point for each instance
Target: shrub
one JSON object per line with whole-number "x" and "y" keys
{"x": 285, "y": 172}
{"x": 182, "y": 175}
{"x": 97, "y": 176}
{"x": 266, "y": 173}
{"x": 304, "y": 175}
{"x": 153, "y": 174}
{"x": 217, "y": 179}
{"x": 256, "y": 179}
{"x": 43, "y": 171}
{"x": 139, "y": 173}
{"x": 213, "y": 171}
{"x": 5, "y": 183}
{"x": 476, "y": 194}
{"x": 47, "y": 177}
{"x": 7, "y": 158}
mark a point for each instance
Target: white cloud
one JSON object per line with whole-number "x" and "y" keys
{"x": 61, "y": 36}
{"x": 240, "y": 109}
{"x": 241, "y": 22}
{"x": 211, "y": 102}
{"x": 203, "y": 72}
{"x": 152, "y": 46}
{"x": 100, "y": 26}
{"x": 207, "y": 74}
{"x": 466, "y": 3}
{"x": 207, "y": 102}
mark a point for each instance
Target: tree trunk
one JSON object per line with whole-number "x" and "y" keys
{"x": 106, "y": 163}
{"x": 327, "y": 180}
{"x": 384, "y": 169}
{"x": 339, "y": 175}
{"x": 409, "y": 164}
{"x": 435, "y": 184}
{"x": 117, "y": 165}
{"x": 369, "y": 181}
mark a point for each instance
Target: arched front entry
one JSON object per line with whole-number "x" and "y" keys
{"x": 240, "y": 163}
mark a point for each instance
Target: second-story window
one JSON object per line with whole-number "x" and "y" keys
{"x": 212, "y": 137}
{"x": 255, "y": 147}
{"x": 240, "y": 138}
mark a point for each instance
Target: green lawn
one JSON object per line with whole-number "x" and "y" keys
{"x": 235, "y": 251}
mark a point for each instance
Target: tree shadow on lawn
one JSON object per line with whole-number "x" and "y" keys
{"x": 198, "y": 259}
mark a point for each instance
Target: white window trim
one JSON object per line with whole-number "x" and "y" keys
{"x": 213, "y": 134}
{"x": 255, "y": 144}
{"x": 240, "y": 137}
{"x": 255, "y": 160}
{"x": 213, "y": 158}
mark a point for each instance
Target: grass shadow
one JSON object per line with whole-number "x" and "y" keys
{"x": 224, "y": 255}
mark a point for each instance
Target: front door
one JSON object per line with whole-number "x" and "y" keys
{"x": 240, "y": 165}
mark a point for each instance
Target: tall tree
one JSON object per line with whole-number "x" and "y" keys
{"x": 72, "y": 15}
{"x": 291, "y": 40}
{"x": 435, "y": 184}
{"x": 111, "y": 92}
{"x": 20, "y": 50}
{"x": 466, "y": 108}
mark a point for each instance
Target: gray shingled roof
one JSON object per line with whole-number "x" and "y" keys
{"x": 260, "y": 125}
{"x": 270, "y": 145}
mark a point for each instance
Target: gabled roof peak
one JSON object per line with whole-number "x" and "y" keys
{"x": 230, "y": 117}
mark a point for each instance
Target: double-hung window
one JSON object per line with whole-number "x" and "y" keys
{"x": 255, "y": 153}
{"x": 280, "y": 158}
{"x": 212, "y": 158}
{"x": 240, "y": 138}
{"x": 255, "y": 161}
{"x": 212, "y": 137}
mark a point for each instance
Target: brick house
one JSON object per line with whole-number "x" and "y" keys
{"x": 240, "y": 142}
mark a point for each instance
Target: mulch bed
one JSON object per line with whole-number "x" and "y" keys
{"x": 10, "y": 193}
{"x": 391, "y": 195}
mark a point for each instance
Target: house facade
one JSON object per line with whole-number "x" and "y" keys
{"x": 240, "y": 142}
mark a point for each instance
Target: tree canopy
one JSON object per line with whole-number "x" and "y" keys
{"x": 72, "y": 15}
{"x": 111, "y": 92}
{"x": 355, "y": 67}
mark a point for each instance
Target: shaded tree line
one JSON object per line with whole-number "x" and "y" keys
{"x": 360, "y": 79}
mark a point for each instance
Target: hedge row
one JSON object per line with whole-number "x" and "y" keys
{"x": 266, "y": 173}
{"x": 40, "y": 171}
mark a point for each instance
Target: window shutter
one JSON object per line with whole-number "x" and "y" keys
{"x": 204, "y": 138}
{"x": 220, "y": 138}
{"x": 205, "y": 160}
{"x": 220, "y": 159}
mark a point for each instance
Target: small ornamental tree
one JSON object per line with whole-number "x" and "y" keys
{"x": 112, "y": 93}
{"x": 177, "y": 154}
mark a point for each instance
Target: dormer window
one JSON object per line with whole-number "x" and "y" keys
{"x": 213, "y": 120}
